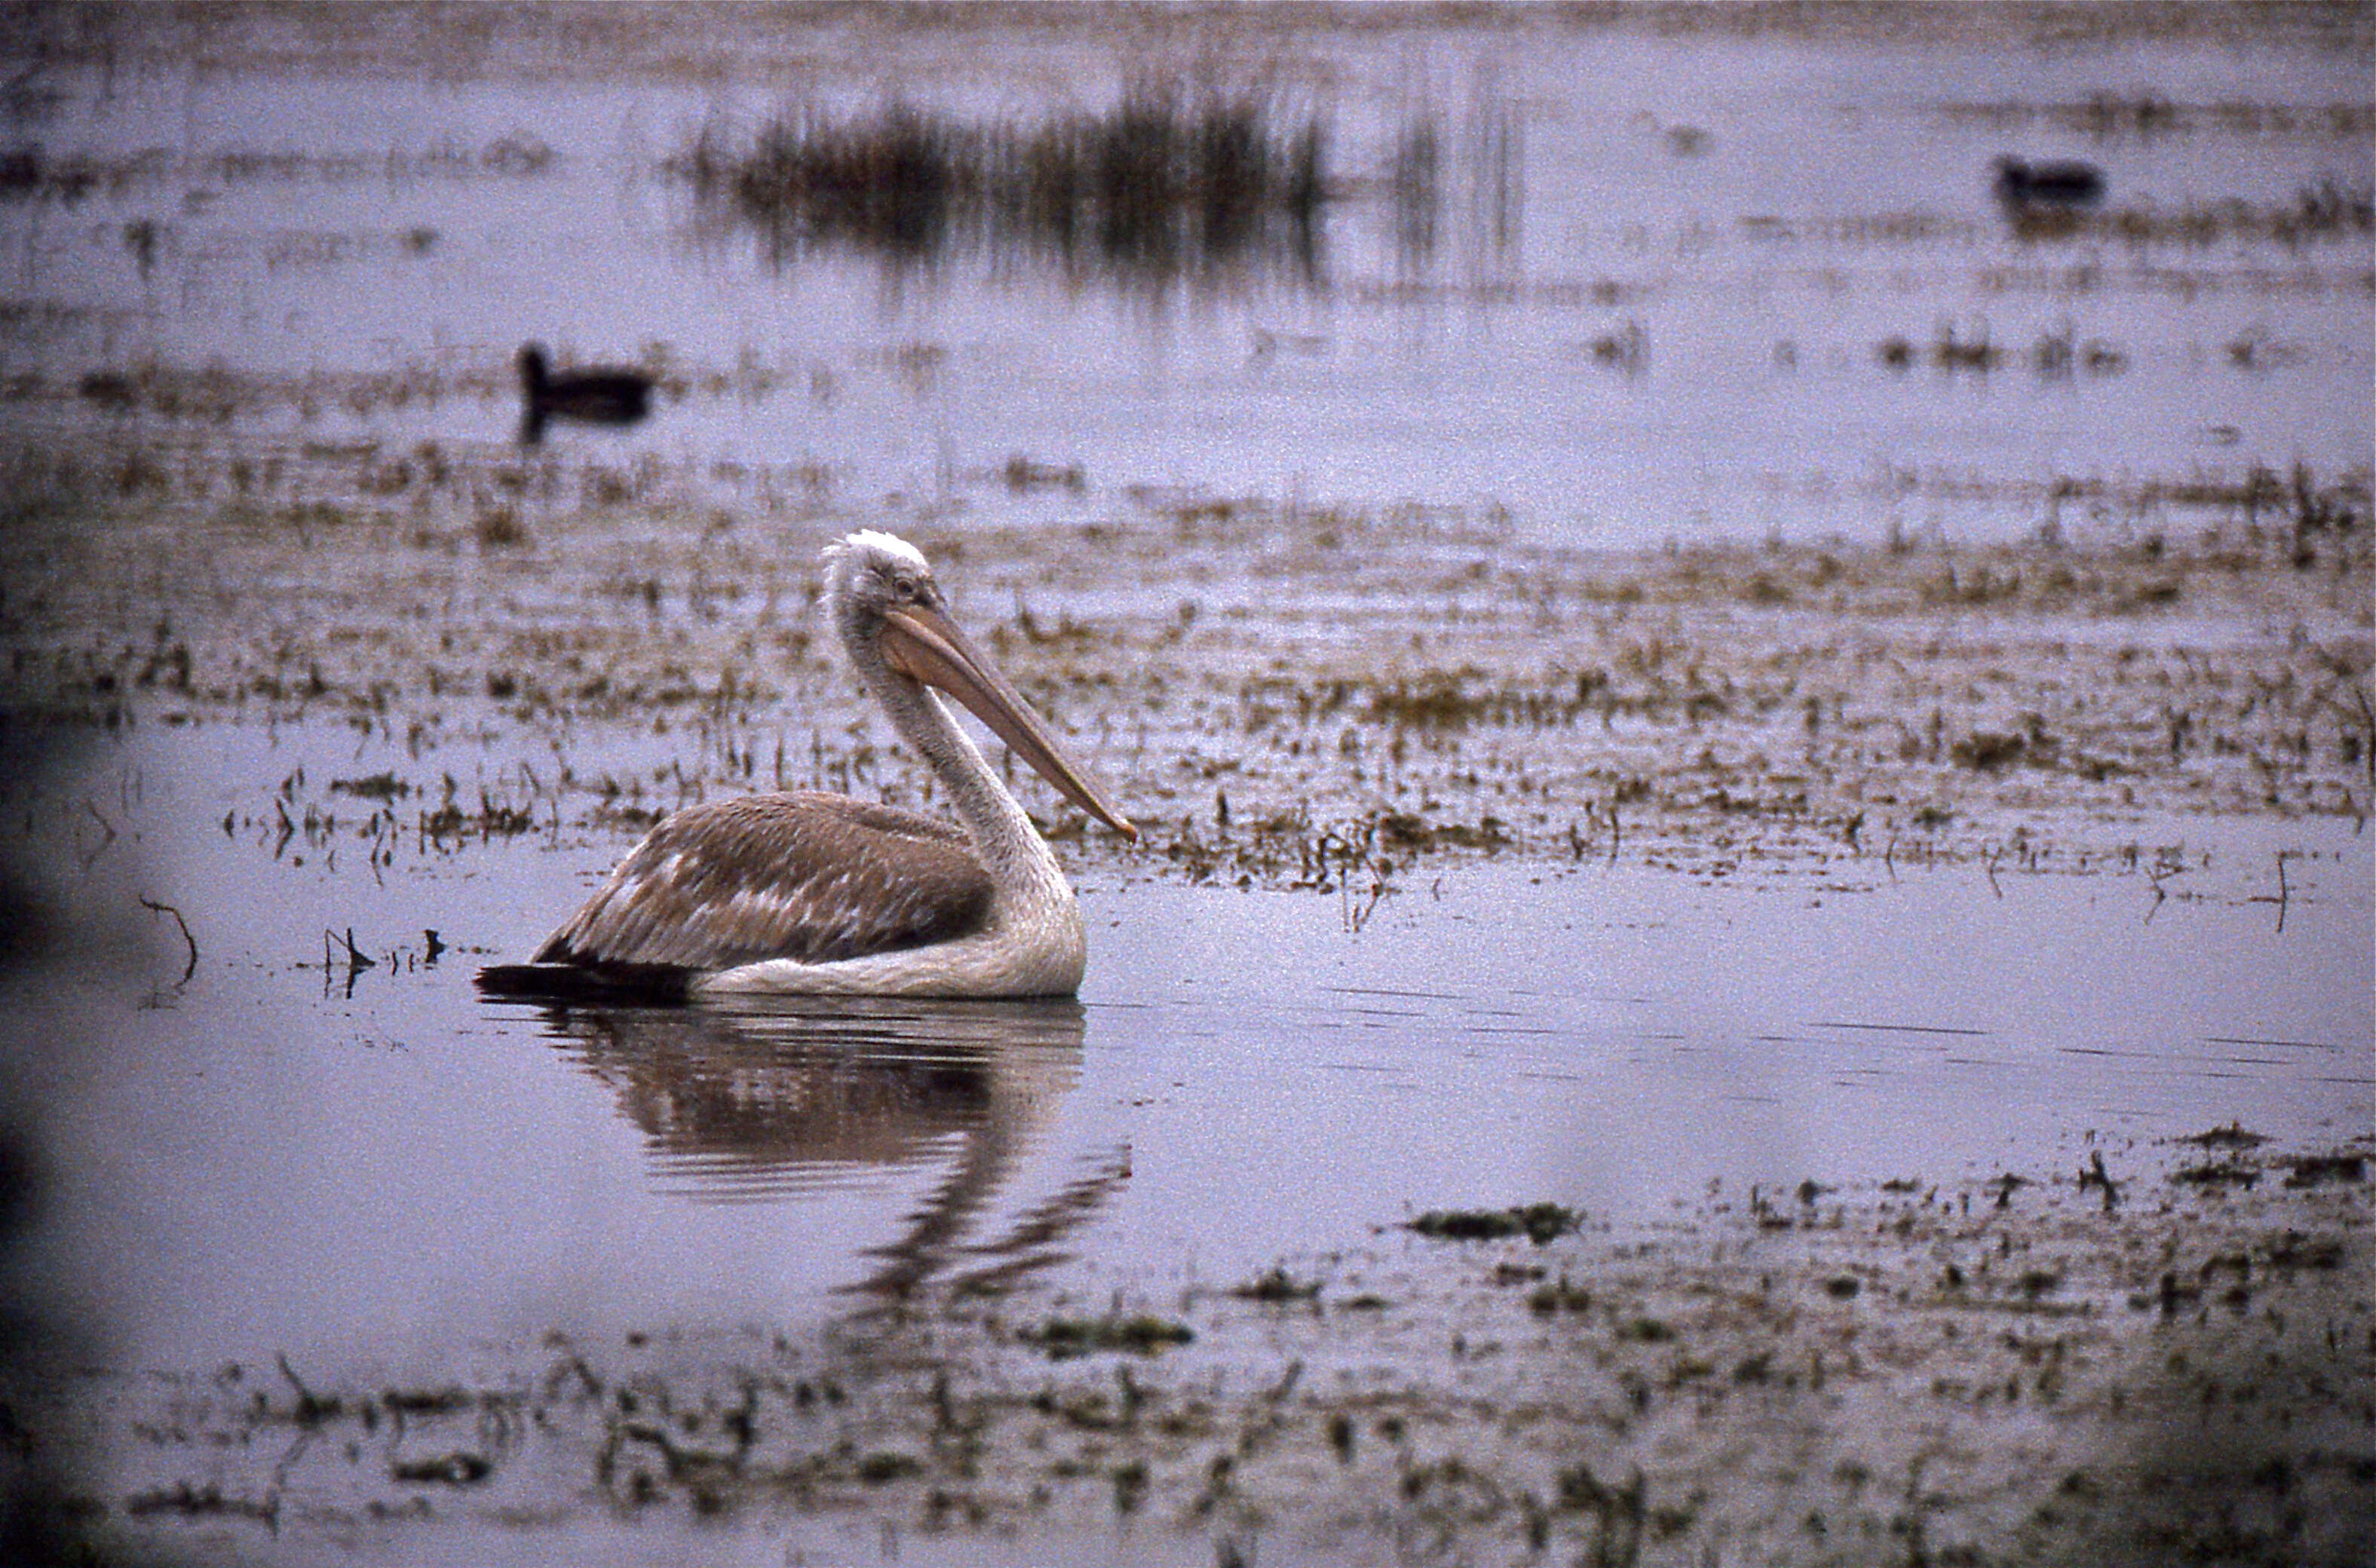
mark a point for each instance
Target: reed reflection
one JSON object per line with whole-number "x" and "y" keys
{"x": 1172, "y": 184}
{"x": 1212, "y": 189}
{"x": 772, "y": 1098}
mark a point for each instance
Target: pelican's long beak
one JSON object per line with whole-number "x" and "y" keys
{"x": 924, "y": 645}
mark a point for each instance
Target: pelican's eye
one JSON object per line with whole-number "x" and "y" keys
{"x": 904, "y": 587}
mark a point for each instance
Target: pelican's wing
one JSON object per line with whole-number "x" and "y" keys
{"x": 808, "y": 876}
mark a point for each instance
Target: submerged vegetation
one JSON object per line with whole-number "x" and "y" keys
{"x": 2180, "y": 1377}
{"x": 2324, "y": 213}
{"x": 1290, "y": 695}
{"x": 1540, "y": 1223}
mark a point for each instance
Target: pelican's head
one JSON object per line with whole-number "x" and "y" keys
{"x": 880, "y": 593}
{"x": 870, "y": 574}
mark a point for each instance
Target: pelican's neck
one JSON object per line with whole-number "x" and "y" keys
{"x": 1011, "y": 848}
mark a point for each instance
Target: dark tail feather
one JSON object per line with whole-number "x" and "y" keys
{"x": 645, "y": 985}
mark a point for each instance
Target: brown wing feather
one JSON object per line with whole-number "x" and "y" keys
{"x": 803, "y": 875}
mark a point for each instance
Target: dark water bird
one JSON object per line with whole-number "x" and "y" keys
{"x": 603, "y": 395}
{"x": 809, "y": 893}
{"x": 2064, "y": 186}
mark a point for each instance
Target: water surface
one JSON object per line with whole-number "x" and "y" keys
{"x": 371, "y": 1165}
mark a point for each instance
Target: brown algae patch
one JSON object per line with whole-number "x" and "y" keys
{"x": 2116, "y": 1366}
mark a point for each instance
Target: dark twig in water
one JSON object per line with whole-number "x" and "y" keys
{"x": 356, "y": 960}
{"x": 312, "y": 1408}
{"x": 2368, "y": 723}
{"x": 2095, "y": 1175}
{"x": 192, "y": 967}
{"x": 91, "y": 858}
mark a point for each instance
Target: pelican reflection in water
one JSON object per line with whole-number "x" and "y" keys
{"x": 806, "y": 893}
{"x": 762, "y": 1099}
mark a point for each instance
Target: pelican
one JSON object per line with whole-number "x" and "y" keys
{"x": 810, "y": 893}
{"x": 603, "y": 395}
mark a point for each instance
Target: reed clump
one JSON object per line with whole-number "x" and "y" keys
{"x": 1171, "y": 183}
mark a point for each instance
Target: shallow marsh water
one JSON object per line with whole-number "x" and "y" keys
{"x": 321, "y": 1158}
{"x": 1675, "y": 661}
{"x": 351, "y": 1184}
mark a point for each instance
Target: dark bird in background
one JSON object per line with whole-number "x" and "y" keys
{"x": 601, "y": 395}
{"x": 2048, "y": 186}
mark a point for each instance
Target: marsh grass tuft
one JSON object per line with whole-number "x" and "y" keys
{"x": 1172, "y": 182}
{"x": 1276, "y": 1285}
{"x": 1538, "y": 1222}
{"x": 1140, "y": 1333}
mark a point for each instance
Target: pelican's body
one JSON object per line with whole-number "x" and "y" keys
{"x": 812, "y": 892}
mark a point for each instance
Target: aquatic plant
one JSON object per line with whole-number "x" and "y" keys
{"x": 1171, "y": 184}
{"x": 1538, "y": 1222}
{"x": 1140, "y": 1333}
